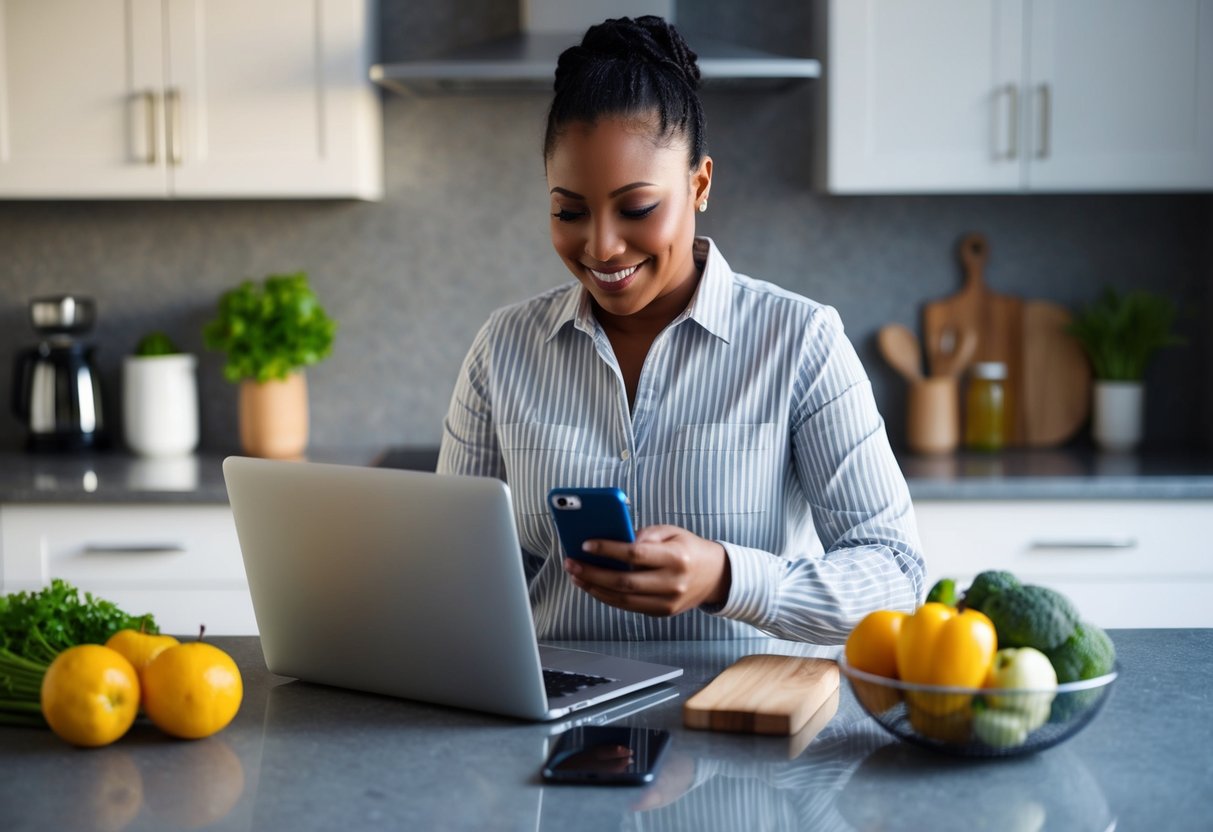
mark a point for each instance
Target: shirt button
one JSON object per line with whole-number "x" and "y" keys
{"x": 625, "y": 454}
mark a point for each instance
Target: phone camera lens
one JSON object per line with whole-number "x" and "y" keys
{"x": 561, "y": 502}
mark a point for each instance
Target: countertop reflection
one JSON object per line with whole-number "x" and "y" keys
{"x": 312, "y": 757}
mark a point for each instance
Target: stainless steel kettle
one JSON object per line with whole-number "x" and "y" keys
{"x": 56, "y": 387}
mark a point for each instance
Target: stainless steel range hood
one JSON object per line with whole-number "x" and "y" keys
{"x": 527, "y": 61}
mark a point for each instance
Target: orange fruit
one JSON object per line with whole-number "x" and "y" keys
{"x": 955, "y": 726}
{"x": 139, "y": 648}
{"x": 876, "y": 698}
{"x": 192, "y": 690}
{"x": 872, "y": 645}
{"x": 90, "y": 695}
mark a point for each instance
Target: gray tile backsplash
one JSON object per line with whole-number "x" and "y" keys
{"x": 463, "y": 229}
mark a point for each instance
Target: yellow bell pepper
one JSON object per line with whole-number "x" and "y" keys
{"x": 940, "y": 646}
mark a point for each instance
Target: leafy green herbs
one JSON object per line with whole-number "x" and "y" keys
{"x": 36, "y": 626}
{"x": 269, "y": 330}
{"x": 1120, "y": 333}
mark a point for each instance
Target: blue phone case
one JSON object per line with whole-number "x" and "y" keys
{"x": 588, "y": 514}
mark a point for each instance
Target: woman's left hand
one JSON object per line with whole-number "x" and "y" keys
{"x": 672, "y": 571}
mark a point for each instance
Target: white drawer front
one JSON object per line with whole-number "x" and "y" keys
{"x": 1123, "y": 563}
{"x": 1093, "y": 540}
{"x": 143, "y": 547}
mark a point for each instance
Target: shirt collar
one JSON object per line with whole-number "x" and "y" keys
{"x": 711, "y": 307}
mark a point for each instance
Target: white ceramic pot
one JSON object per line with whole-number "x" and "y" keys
{"x": 160, "y": 404}
{"x": 1117, "y": 416}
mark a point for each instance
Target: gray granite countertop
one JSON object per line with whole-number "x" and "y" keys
{"x": 1027, "y": 475}
{"x": 1047, "y": 474}
{"x": 300, "y": 756}
{"x": 113, "y": 477}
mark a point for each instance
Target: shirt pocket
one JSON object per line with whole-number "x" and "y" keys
{"x": 723, "y": 469}
{"x": 539, "y": 457}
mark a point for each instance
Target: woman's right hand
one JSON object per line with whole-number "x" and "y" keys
{"x": 672, "y": 571}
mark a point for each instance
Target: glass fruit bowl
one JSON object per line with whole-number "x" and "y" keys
{"x": 979, "y": 722}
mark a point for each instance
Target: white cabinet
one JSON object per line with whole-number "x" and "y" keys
{"x": 188, "y": 99}
{"x": 181, "y": 563}
{"x": 949, "y": 96}
{"x": 1124, "y": 563}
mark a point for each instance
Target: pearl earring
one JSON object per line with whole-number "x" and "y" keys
{"x": 703, "y": 206}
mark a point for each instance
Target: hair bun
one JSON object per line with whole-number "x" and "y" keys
{"x": 626, "y": 67}
{"x": 650, "y": 39}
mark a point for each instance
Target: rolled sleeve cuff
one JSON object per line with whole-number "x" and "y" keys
{"x": 754, "y": 590}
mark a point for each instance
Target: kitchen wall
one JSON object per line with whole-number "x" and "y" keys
{"x": 463, "y": 230}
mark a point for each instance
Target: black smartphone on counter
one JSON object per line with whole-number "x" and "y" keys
{"x": 614, "y": 754}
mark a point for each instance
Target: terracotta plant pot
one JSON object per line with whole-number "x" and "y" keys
{"x": 273, "y": 417}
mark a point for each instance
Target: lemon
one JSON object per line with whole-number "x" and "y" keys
{"x": 192, "y": 690}
{"x": 90, "y": 695}
{"x": 139, "y": 648}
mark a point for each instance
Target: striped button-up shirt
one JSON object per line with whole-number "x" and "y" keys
{"x": 753, "y": 424}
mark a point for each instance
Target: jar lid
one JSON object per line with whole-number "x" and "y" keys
{"x": 993, "y": 370}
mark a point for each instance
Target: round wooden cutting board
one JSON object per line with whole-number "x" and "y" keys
{"x": 1056, "y": 379}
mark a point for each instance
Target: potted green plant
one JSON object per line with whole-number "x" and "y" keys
{"x": 1120, "y": 334}
{"x": 159, "y": 398}
{"x": 270, "y": 333}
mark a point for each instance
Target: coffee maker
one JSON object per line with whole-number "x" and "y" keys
{"x": 56, "y": 386}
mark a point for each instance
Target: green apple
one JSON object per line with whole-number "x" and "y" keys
{"x": 1029, "y": 675}
{"x": 1001, "y": 729}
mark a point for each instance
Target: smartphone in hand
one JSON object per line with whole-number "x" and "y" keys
{"x": 583, "y": 514}
{"x": 606, "y": 754}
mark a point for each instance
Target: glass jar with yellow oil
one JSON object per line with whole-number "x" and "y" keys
{"x": 987, "y": 413}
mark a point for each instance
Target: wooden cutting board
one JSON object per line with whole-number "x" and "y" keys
{"x": 996, "y": 319}
{"x": 763, "y": 694}
{"x": 1057, "y": 376}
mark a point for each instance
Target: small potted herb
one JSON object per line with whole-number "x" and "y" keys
{"x": 1120, "y": 334}
{"x": 160, "y": 398}
{"x": 270, "y": 332}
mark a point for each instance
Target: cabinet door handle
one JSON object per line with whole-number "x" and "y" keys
{"x": 172, "y": 103}
{"x": 1011, "y": 93}
{"x": 1087, "y": 544}
{"x": 1045, "y": 97}
{"x": 150, "y": 117}
{"x": 133, "y": 548}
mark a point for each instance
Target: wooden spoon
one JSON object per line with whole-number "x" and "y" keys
{"x": 899, "y": 346}
{"x": 954, "y": 353}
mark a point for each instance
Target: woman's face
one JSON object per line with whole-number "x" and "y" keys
{"x": 623, "y": 213}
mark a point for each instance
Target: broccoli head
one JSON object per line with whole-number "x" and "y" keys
{"x": 1086, "y": 654}
{"x": 985, "y": 586}
{"x": 1032, "y": 616}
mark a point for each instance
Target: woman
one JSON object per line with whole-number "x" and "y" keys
{"x": 734, "y": 414}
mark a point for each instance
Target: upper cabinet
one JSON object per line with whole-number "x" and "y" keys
{"x": 988, "y": 96}
{"x": 188, "y": 99}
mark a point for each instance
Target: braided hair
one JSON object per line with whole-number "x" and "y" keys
{"x": 626, "y": 67}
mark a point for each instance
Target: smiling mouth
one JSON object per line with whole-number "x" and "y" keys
{"x": 615, "y": 276}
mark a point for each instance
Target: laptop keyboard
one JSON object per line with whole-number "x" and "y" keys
{"x": 562, "y": 683}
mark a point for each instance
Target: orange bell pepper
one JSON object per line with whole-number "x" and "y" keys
{"x": 940, "y": 646}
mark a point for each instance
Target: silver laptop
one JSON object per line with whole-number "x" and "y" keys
{"x": 409, "y": 584}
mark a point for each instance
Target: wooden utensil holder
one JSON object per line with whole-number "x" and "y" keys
{"x": 933, "y": 415}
